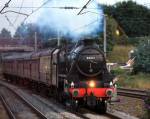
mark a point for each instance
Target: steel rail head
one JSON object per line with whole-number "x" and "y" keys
{"x": 27, "y": 102}
{"x": 10, "y": 114}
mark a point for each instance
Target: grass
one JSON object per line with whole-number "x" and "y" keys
{"x": 120, "y": 53}
{"x": 141, "y": 81}
{"x": 128, "y": 80}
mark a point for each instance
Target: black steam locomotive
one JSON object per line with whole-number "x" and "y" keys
{"x": 78, "y": 75}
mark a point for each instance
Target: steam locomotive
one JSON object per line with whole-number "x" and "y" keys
{"x": 78, "y": 75}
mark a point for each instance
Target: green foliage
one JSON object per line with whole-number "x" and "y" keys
{"x": 118, "y": 71}
{"x": 128, "y": 80}
{"x": 135, "y": 41}
{"x": 120, "y": 53}
{"x": 5, "y": 33}
{"x": 111, "y": 24}
{"x": 48, "y": 37}
{"x": 142, "y": 57}
{"x": 133, "y": 18}
{"x": 111, "y": 36}
{"x": 27, "y": 31}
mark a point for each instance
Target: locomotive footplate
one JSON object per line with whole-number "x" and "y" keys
{"x": 91, "y": 100}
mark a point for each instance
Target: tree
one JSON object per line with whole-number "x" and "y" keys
{"x": 5, "y": 33}
{"x": 111, "y": 35}
{"x": 115, "y": 35}
{"x": 52, "y": 42}
{"x": 46, "y": 35}
{"x": 27, "y": 31}
{"x": 142, "y": 57}
{"x": 133, "y": 18}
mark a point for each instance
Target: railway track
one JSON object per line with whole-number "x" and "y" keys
{"x": 17, "y": 106}
{"x": 135, "y": 93}
{"x": 66, "y": 113}
{"x": 82, "y": 113}
{"x": 8, "y": 109}
{"x": 5, "y": 112}
{"x": 46, "y": 102}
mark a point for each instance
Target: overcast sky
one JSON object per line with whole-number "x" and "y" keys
{"x": 16, "y": 19}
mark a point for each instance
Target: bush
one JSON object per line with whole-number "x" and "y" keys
{"x": 136, "y": 40}
{"x": 142, "y": 58}
{"x": 118, "y": 71}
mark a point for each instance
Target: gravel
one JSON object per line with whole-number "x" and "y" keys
{"x": 3, "y": 113}
{"x": 17, "y": 106}
{"x": 50, "y": 110}
{"x": 56, "y": 108}
{"x": 131, "y": 106}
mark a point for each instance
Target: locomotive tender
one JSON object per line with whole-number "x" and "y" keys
{"x": 79, "y": 75}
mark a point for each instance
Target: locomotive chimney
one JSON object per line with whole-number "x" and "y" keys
{"x": 88, "y": 41}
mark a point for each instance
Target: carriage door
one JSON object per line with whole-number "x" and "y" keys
{"x": 54, "y": 67}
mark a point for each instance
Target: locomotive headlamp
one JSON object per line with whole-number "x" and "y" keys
{"x": 72, "y": 84}
{"x": 111, "y": 83}
{"x": 92, "y": 84}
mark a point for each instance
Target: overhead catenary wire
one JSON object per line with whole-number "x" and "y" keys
{"x": 85, "y": 6}
{"x": 36, "y": 10}
{"x": 10, "y": 11}
{"x": 3, "y": 12}
{"x": 10, "y": 23}
{"x": 71, "y": 7}
{"x": 14, "y": 12}
{"x": 86, "y": 25}
{"x": 53, "y": 7}
{"x": 18, "y": 12}
{"x": 6, "y": 5}
{"x": 66, "y": 7}
{"x": 59, "y": 7}
{"x": 40, "y": 7}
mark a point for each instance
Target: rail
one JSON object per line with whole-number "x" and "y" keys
{"x": 10, "y": 114}
{"x": 135, "y": 93}
{"x": 40, "y": 114}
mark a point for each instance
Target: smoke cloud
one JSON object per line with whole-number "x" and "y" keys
{"x": 66, "y": 21}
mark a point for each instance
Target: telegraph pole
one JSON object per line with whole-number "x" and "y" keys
{"x": 105, "y": 40}
{"x": 35, "y": 42}
{"x": 58, "y": 38}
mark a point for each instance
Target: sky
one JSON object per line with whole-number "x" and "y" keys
{"x": 11, "y": 21}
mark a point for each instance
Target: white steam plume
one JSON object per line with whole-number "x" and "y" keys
{"x": 66, "y": 21}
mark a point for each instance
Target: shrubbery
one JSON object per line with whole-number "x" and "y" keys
{"x": 142, "y": 57}
{"x": 118, "y": 71}
{"x": 142, "y": 64}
